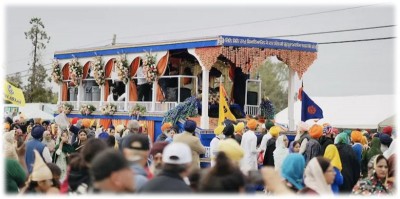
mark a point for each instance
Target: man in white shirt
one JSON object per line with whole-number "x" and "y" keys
{"x": 249, "y": 145}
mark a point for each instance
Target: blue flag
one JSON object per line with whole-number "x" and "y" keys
{"x": 309, "y": 109}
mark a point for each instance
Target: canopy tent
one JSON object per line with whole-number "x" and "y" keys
{"x": 365, "y": 112}
{"x": 391, "y": 121}
{"x": 35, "y": 110}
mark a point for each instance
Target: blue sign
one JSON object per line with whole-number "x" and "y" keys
{"x": 267, "y": 43}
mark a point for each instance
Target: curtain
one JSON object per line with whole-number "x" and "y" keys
{"x": 231, "y": 75}
{"x": 132, "y": 86}
{"x": 65, "y": 75}
{"x": 162, "y": 64}
{"x": 106, "y": 123}
{"x": 115, "y": 123}
{"x": 108, "y": 69}
{"x": 106, "y": 90}
{"x": 160, "y": 95}
{"x": 86, "y": 70}
{"x": 64, "y": 92}
{"x": 149, "y": 126}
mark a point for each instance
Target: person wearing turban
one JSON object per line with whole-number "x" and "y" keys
{"x": 249, "y": 145}
{"x": 188, "y": 137}
{"x": 313, "y": 147}
{"x": 232, "y": 149}
{"x": 302, "y": 136}
{"x": 332, "y": 154}
{"x": 35, "y": 143}
{"x": 271, "y": 146}
{"x": 350, "y": 165}
{"x": 356, "y": 137}
{"x": 326, "y": 138}
{"x": 165, "y": 133}
{"x": 387, "y": 130}
{"x": 386, "y": 140}
{"x": 214, "y": 143}
{"x": 239, "y": 130}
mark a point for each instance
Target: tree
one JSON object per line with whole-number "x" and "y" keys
{"x": 35, "y": 91}
{"x": 15, "y": 80}
{"x": 274, "y": 78}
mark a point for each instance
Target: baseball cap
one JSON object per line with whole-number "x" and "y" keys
{"x": 177, "y": 153}
{"x": 136, "y": 141}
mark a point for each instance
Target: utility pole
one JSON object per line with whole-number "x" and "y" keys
{"x": 114, "y": 39}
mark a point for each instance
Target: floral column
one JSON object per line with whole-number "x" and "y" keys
{"x": 206, "y": 57}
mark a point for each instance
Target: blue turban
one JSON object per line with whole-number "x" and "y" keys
{"x": 385, "y": 139}
{"x": 103, "y": 135}
{"x": 37, "y": 131}
{"x": 190, "y": 126}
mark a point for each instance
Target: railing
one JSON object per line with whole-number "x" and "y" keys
{"x": 251, "y": 110}
{"x": 161, "y": 107}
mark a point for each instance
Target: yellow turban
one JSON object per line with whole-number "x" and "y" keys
{"x": 332, "y": 154}
{"x": 218, "y": 130}
{"x": 315, "y": 131}
{"x": 40, "y": 170}
{"x": 252, "y": 124}
{"x": 239, "y": 127}
{"x": 364, "y": 140}
{"x": 274, "y": 131}
{"x": 231, "y": 148}
{"x": 166, "y": 126}
{"x": 119, "y": 128}
{"x": 356, "y": 136}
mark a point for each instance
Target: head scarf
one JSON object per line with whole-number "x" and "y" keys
{"x": 49, "y": 143}
{"x": 274, "y": 131}
{"x": 8, "y": 145}
{"x": 315, "y": 131}
{"x": 291, "y": 147}
{"x": 356, "y": 136}
{"x": 387, "y": 130}
{"x": 66, "y": 148}
{"x": 40, "y": 171}
{"x": 293, "y": 168}
{"x": 385, "y": 139}
{"x": 327, "y": 130}
{"x": 332, "y": 154}
{"x": 302, "y": 126}
{"x": 342, "y": 138}
{"x": 280, "y": 152}
{"x": 375, "y": 148}
{"x": 314, "y": 178}
{"x": 375, "y": 167}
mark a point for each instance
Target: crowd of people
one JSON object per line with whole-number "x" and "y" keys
{"x": 83, "y": 158}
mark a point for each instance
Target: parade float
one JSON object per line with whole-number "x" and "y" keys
{"x": 101, "y": 83}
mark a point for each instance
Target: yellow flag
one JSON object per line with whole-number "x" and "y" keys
{"x": 224, "y": 111}
{"x": 13, "y": 94}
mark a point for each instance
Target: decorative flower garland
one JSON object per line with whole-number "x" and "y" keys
{"x": 98, "y": 70}
{"x": 67, "y": 108}
{"x": 122, "y": 68}
{"x": 137, "y": 110}
{"x": 56, "y": 72}
{"x": 109, "y": 109}
{"x": 188, "y": 108}
{"x": 150, "y": 68}
{"x": 87, "y": 109}
{"x": 75, "y": 72}
{"x": 267, "y": 109}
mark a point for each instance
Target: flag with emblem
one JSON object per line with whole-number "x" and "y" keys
{"x": 13, "y": 94}
{"x": 224, "y": 111}
{"x": 309, "y": 109}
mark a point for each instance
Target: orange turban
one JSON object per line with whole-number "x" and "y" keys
{"x": 7, "y": 126}
{"x": 86, "y": 123}
{"x": 252, "y": 124}
{"x": 315, "y": 131}
{"x": 166, "y": 126}
{"x": 356, "y": 136}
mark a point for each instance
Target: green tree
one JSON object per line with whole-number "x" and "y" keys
{"x": 274, "y": 84}
{"x": 35, "y": 90}
{"x": 15, "y": 80}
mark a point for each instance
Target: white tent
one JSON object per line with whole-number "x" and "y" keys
{"x": 35, "y": 110}
{"x": 364, "y": 112}
{"x": 391, "y": 121}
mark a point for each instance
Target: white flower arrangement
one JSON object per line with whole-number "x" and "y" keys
{"x": 137, "y": 110}
{"x": 56, "y": 72}
{"x": 67, "y": 108}
{"x": 122, "y": 68}
{"x": 149, "y": 67}
{"x": 75, "y": 72}
{"x": 87, "y": 109}
{"x": 109, "y": 109}
{"x": 98, "y": 70}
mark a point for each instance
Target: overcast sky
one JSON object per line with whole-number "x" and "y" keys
{"x": 358, "y": 68}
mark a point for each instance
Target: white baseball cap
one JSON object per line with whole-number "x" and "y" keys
{"x": 177, "y": 153}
